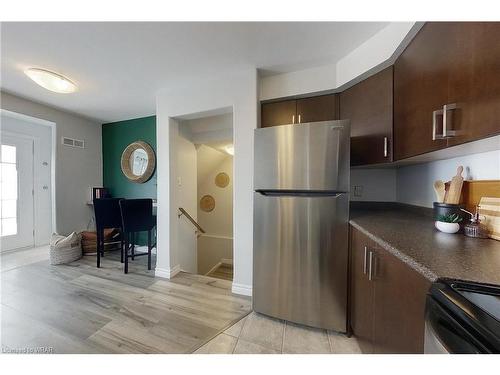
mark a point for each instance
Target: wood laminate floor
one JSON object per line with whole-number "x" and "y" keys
{"x": 78, "y": 308}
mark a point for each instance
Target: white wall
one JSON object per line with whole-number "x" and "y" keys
{"x": 382, "y": 48}
{"x": 76, "y": 169}
{"x": 239, "y": 91}
{"x": 218, "y": 222}
{"x": 211, "y": 128}
{"x": 186, "y": 185}
{"x": 375, "y": 54}
{"x": 42, "y": 176}
{"x": 212, "y": 250}
{"x": 378, "y": 185}
{"x": 300, "y": 82}
{"x": 217, "y": 243}
{"x": 415, "y": 183}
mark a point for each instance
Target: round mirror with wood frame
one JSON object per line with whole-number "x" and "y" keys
{"x": 138, "y": 162}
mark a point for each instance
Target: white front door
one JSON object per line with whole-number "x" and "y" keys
{"x": 16, "y": 192}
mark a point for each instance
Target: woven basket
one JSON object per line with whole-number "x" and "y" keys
{"x": 65, "y": 249}
{"x": 89, "y": 241}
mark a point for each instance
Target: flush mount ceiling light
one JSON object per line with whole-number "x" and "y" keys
{"x": 229, "y": 149}
{"x": 51, "y": 81}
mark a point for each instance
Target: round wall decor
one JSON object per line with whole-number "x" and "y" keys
{"x": 222, "y": 180}
{"x": 207, "y": 203}
{"x": 138, "y": 162}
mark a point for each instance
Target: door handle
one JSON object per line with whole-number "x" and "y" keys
{"x": 370, "y": 267}
{"x": 446, "y": 132}
{"x": 435, "y": 114}
{"x": 299, "y": 119}
{"x": 386, "y": 147}
{"x": 364, "y": 260}
{"x": 293, "y": 119}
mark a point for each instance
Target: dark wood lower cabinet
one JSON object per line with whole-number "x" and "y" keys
{"x": 361, "y": 293}
{"x": 387, "y": 300}
{"x": 398, "y": 305}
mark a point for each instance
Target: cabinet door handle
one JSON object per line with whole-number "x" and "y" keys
{"x": 434, "y": 124}
{"x": 446, "y": 132}
{"x": 370, "y": 267}
{"x": 386, "y": 147}
{"x": 364, "y": 260}
{"x": 299, "y": 119}
{"x": 293, "y": 119}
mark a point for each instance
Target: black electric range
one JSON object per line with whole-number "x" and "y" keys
{"x": 462, "y": 317}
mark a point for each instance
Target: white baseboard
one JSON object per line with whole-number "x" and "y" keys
{"x": 226, "y": 261}
{"x": 167, "y": 273}
{"x": 245, "y": 290}
{"x": 144, "y": 249}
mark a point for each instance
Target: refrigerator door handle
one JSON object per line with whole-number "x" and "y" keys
{"x": 284, "y": 193}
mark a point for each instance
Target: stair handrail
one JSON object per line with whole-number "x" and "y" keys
{"x": 193, "y": 221}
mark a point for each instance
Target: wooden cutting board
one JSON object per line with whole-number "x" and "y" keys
{"x": 455, "y": 190}
{"x": 490, "y": 208}
{"x": 474, "y": 190}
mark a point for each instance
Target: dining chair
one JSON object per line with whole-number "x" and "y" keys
{"x": 137, "y": 216}
{"x": 107, "y": 215}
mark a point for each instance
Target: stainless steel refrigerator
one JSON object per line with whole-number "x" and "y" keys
{"x": 301, "y": 210}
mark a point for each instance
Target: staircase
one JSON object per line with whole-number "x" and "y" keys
{"x": 222, "y": 271}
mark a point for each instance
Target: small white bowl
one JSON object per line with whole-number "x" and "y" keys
{"x": 447, "y": 227}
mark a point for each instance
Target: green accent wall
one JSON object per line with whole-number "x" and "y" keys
{"x": 116, "y": 136}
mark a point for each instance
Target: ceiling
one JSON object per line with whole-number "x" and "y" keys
{"x": 120, "y": 66}
{"x": 215, "y": 131}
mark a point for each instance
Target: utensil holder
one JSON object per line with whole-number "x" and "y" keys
{"x": 447, "y": 209}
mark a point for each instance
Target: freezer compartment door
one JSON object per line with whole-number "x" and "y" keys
{"x": 311, "y": 156}
{"x": 300, "y": 259}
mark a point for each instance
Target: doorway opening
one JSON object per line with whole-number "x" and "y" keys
{"x": 27, "y": 156}
{"x": 205, "y": 193}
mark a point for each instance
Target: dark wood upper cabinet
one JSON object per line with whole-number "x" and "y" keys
{"x": 474, "y": 83}
{"x": 446, "y": 82}
{"x": 451, "y": 70}
{"x": 295, "y": 111}
{"x": 278, "y": 113}
{"x": 420, "y": 88}
{"x": 368, "y": 105}
{"x": 317, "y": 108}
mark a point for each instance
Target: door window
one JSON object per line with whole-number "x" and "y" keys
{"x": 8, "y": 191}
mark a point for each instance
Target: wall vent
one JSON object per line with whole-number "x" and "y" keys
{"x": 73, "y": 142}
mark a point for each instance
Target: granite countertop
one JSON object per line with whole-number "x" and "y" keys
{"x": 411, "y": 237}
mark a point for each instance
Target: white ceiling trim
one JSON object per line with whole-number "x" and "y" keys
{"x": 372, "y": 56}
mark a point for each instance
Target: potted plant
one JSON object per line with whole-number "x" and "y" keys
{"x": 448, "y": 223}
